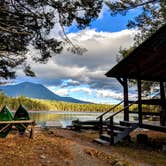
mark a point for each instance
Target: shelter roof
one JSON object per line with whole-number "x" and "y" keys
{"x": 146, "y": 62}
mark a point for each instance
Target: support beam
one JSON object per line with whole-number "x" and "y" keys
{"x": 126, "y": 100}
{"x": 139, "y": 102}
{"x": 163, "y": 107}
{"x": 120, "y": 80}
{"x": 149, "y": 102}
{"x": 154, "y": 127}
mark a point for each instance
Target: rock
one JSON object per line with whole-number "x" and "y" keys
{"x": 42, "y": 157}
{"x": 119, "y": 163}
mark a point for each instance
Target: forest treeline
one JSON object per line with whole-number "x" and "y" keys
{"x": 52, "y": 105}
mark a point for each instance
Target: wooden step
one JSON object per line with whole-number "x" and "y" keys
{"x": 88, "y": 127}
{"x": 105, "y": 137}
{"x": 117, "y": 132}
{"x": 89, "y": 122}
{"x": 127, "y": 123}
{"x": 101, "y": 141}
{"x": 120, "y": 127}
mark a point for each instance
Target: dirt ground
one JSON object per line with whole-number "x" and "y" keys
{"x": 60, "y": 147}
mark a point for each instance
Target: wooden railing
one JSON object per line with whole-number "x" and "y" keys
{"x": 110, "y": 110}
{"x": 120, "y": 111}
{"x": 101, "y": 116}
{"x": 111, "y": 118}
{"x": 111, "y": 121}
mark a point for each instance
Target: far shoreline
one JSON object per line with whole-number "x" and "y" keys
{"x": 62, "y": 112}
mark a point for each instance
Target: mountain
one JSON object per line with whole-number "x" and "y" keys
{"x": 32, "y": 90}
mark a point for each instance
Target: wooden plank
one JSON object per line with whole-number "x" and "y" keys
{"x": 146, "y": 113}
{"x": 22, "y": 122}
{"x": 149, "y": 101}
{"x": 17, "y": 121}
{"x": 153, "y": 127}
{"x": 5, "y": 127}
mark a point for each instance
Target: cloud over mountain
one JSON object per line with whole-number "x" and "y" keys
{"x": 68, "y": 70}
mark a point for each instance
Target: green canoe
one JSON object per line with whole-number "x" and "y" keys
{"x": 21, "y": 114}
{"x": 5, "y": 115}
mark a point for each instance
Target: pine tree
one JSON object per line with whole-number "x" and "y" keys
{"x": 26, "y": 24}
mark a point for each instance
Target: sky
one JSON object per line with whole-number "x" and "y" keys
{"x": 83, "y": 76}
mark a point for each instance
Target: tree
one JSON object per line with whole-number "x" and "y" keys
{"x": 27, "y": 24}
{"x": 151, "y": 18}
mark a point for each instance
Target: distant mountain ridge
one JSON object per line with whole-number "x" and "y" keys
{"x": 33, "y": 90}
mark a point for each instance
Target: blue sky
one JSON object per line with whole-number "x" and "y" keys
{"x": 82, "y": 77}
{"x": 108, "y": 23}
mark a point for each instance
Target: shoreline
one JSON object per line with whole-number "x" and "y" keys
{"x": 62, "y": 112}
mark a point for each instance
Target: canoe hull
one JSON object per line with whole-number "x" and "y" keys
{"x": 21, "y": 114}
{"x": 5, "y": 115}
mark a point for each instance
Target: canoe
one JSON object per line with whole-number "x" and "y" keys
{"x": 5, "y": 115}
{"x": 21, "y": 114}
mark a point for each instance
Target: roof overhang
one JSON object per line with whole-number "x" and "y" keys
{"x": 146, "y": 62}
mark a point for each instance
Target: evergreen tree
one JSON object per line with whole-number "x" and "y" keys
{"x": 27, "y": 24}
{"x": 151, "y": 18}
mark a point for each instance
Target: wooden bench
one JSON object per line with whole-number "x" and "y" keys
{"x": 22, "y": 122}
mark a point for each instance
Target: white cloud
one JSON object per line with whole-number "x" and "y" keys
{"x": 62, "y": 92}
{"x": 89, "y": 68}
{"x": 81, "y": 89}
{"x": 108, "y": 93}
{"x": 113, "y": 94}
{"x": 70, "y": 81}
{"x": 101, "y": 56}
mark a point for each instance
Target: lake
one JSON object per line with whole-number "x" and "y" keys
{"x": 64, "y": 119}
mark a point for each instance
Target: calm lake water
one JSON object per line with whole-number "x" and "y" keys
{"x": 64, "y": 119}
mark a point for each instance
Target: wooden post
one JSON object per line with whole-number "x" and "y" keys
{"x": 32, "y": 130}
{"x": 126, "y": 100}
{"x": 163, "y": 107}
{"x": 101, "y": 126}
{"x": 139, "y": 102}
{"x": 111, "y": 130}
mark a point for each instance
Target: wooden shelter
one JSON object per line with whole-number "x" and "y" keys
{"x": 146, "y": 62}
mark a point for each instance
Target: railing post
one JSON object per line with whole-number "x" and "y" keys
{"x": 111, "y": 121}
{"x": 32, "y": 130}
{"x": 162, "y": 104}
{"x": 101, "y": 125}
{"x": 126, "y": 102}
{"x": 139, "y": 102}
{"x": 111, "y": 130}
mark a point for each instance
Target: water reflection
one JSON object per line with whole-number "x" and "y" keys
{"x": 65, "y": 118}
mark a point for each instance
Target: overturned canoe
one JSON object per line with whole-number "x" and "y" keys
{"x": 5, "y": 115}
{"x": 21, "y": 114}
